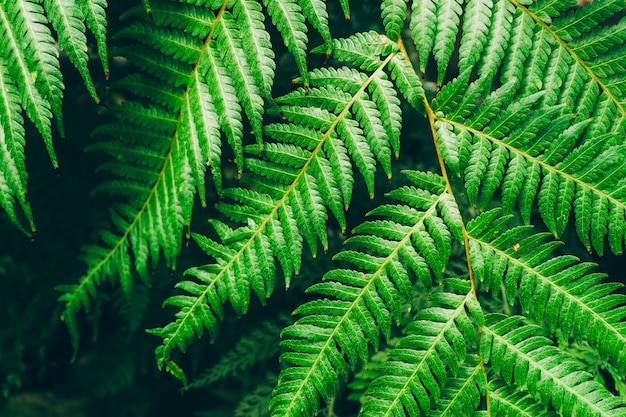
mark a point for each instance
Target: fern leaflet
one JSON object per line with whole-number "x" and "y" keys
{"x": 332, "y": 337}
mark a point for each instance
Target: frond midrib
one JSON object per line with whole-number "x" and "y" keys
{"x": 569, "y": 50}
{"x": 268, "y": 218}
{"x": 537, "y": 161}
{"x": 330, "y": 339}
{"x": 560, "y": 289}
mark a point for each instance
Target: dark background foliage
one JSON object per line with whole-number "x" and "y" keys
{"x": 115, "y": 373}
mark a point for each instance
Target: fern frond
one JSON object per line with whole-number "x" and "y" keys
{"x": 545, "y": 49}
{"x": 228, "y": 45}
{"x": 476, "y": 22}
{"x": 153, "y": 164}
{"x": 559, "y": 290}
{"x": 32, "y": 83}
{"x": 165, "y": 95}
{"x": 159, "y": 193}
{"x": 295, "y": 184}
{"x": 23, "y": 21}
{"x": 434, "y": 26}
{"x": 333, "y": 336}
{"x": 13, "y": 173}
{"x": 363, "y": 49}
{"x": 423, "y": 27}
{"x": 161, "y": 151}
{"x": 416, "y": 375}
{"x": 462, "y": 393}
{"x": 259, "y": 51}
{"x": 256, "y": 403}
{"x": 496, "y": 44}
{"x": 517, "y": 353}
{"x": 538, "y": 159}
{"x": 508, "y": 400}
{"x": 261, "y": 344}
{"x": 532, "y": 114}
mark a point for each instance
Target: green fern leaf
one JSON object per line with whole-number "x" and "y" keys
{"x": 260, "y": 55}
{"x": 316, "y": 13}
{"x": 518, "y": 354}
{"x": 256, "y": 403}
{"x": 229, "y": 46}
{"x": 578, "y": 22}
{"x": 386, "y": 99}
{"x": 226, "y": 103}
{"x": 506, "y": 400}
{"x": 204, "y": 144}
{"x": 179, "y": 46}
{"x": 407, "y": 82}
{"x": 196, "y": 21}
{"x": 164, "y": 95}
{"x": 31, "y": 64}
{"x": 417, "y": 371}
{"x": 331, "y": 330}
{"x": 448, "y": 12}
{"x": 531, "y": 115}
{"x": 497, "y": 38}
{"x": 95, "y": 19}
{"x": 462, "y": 393}
{"x": 261, "y": 344}
{"x": 205, "y": 81}
{"x": 501, "y": 155}
{"x": 362, "y": 49}
{"x": 13, "y": 173}
{"x": 559, "y": 290}
{"x": 25, "y": 20}
{"x": 159, "y": 188}
{"x": 31, "y": 68}
{"x": 423, "y": 28}
{"x": 476, "y": 22}
{"x": 294, "y": 187}
{"x": 346, "y": 8}
{"x": 288, "y": 18}
{"x": 393, "y": 13}
{"x": 71, "y": 29}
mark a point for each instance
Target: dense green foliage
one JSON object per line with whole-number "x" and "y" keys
{"x": 454, "y": 296}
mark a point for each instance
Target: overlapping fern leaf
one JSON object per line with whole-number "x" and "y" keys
{"x": 555, "y": 77}
{"x": 559, "y": 290}
{"x": 196, "y": 81}
{"x": 430, "y": 368}
{"x": 31, "y": 82}
{"x": 304, "y": 170}
{"x": 519, "y": 353}
{"x": 434, "y": 369}
{"x": 532, "y": 117}
{"x": 410, "y": 241}
{"x": 507, "y": 400}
